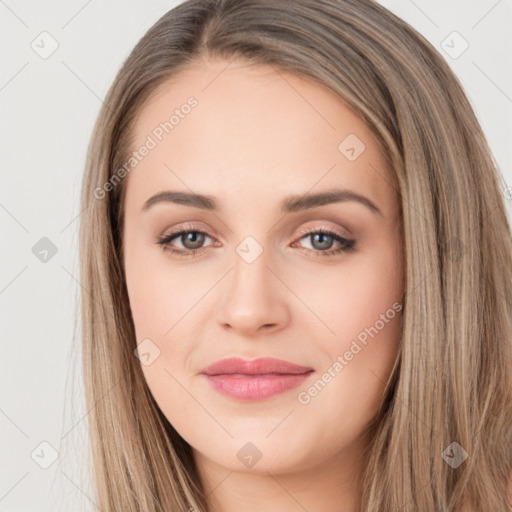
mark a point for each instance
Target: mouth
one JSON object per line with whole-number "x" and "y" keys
{"x": 255, "y": 380}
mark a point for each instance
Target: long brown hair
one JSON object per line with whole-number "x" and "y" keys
{"x": 452, "y": 381}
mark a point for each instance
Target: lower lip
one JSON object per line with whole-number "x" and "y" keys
{"x": 257, "y": 387}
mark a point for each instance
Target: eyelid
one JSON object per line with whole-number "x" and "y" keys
{"x": 343, "y": 233}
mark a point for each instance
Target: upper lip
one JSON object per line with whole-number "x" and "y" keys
{"x": 261, "y": 366}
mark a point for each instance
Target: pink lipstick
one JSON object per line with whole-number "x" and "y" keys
{"x": 255, "y": 380}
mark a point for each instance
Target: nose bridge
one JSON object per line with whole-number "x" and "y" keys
{"x": 252, "y": 299}
{"x": 250, "y": 273}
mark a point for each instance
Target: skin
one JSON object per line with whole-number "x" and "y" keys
{"x": 256, "y": 137}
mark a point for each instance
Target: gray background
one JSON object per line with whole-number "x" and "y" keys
{"x": 48, "y": 107}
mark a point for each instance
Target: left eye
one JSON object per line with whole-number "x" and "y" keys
{"x": 192, "y": 240}
{"x": 322, "y": 239}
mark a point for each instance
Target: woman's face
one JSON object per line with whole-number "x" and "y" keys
{"x": 284, "y": 270}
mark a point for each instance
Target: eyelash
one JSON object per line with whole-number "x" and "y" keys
{"x": 347, "y": 244}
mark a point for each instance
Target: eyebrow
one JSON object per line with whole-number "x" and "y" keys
{"x": 290, "y": 204}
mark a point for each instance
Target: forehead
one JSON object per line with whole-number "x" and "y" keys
{"x": 220, "y": 127}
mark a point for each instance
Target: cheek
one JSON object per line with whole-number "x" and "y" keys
{"x": 362, "y": 309}
{"x": 160, "y": 301}
{"x": 159, "y": 295}
{"x": 165, "y": 302}
{"x": 359, "y": 357}
{"x": 353, "y": 297}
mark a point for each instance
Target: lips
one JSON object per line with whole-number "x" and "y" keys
{"x": 255, "y": 380}
{"x": 262, "y": 366}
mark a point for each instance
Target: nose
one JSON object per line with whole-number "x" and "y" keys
{"x": 254, "y": 300}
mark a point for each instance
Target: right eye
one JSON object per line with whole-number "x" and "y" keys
{"x": 192, "y": 238}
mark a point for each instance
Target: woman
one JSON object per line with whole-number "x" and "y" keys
{"x": 228, "y": 366}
